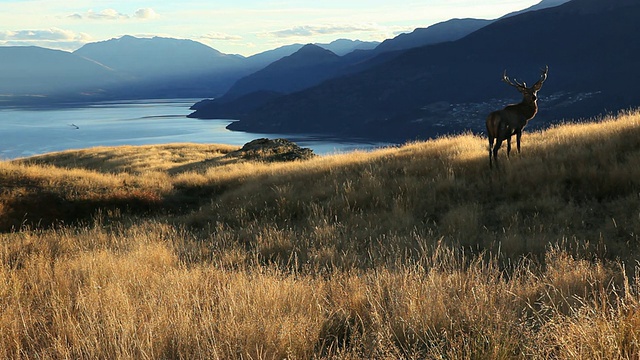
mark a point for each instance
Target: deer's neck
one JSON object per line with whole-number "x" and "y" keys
{"x": 528, "y": 109}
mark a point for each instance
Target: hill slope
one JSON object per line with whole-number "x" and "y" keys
{"x": 181, "y": 251}
{"x": 563, "y": 169}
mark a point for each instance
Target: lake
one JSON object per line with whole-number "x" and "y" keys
{"x": 27, "y": 132}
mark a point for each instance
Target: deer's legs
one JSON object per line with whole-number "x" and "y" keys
{"x": 496, "y": 148}
{"x": 491, "y": 139}
{"x": 518, "y": 136}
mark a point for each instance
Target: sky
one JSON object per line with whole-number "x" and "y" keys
{"x": 244, "y": 27}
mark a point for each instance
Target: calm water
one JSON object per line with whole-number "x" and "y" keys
{"x": 31, "y": 132}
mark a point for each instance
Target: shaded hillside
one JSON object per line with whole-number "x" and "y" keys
{"x": 232, "y": 108}
{"x": 589, "y": 46}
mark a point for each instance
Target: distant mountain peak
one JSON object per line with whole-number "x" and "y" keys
{"x": 313, "y": 49}
{"x": 307, "y": 55}
{"x": 342, "y": 47}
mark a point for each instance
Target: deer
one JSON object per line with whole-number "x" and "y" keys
{"x": 502, "y": 124}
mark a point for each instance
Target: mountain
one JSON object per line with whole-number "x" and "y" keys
{"x": 589, "y": 45}
{"x": 34, "y": 73}
{"x": 260, "y": 60}
{"x": 356, "y": 56}
{"x": 232, "y": 108}
{"x": 342, "y": 47}
{"x": 306, "y": 67}
{"x": 162, "y": 66}
{"x": 450, "y": 30}
{"x": 544, "y": 4}
{"x": 339, "y": 47}
{"x": 154, "y": 57}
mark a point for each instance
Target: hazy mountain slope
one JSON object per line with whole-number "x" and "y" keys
{"x": 589, "y": 45}
{"x": 449, "y": 30}
{"x": 164, "y": 67}
{"x": 156, "y": 57}
{"x": 539, "y": 6}
{"x": 342, "y": 47}
{"x": 50, "y": 74}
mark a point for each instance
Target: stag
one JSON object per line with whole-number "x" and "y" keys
{"x": 502, "y": 124}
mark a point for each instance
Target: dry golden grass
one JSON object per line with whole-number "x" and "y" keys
{"x": 419, "y": 251}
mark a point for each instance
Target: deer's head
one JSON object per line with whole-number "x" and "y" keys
{"x": 530, "y": 94}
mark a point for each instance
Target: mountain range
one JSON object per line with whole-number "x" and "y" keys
{"x": 131, "y": 68}
{"x": 160, "y": 67}
{"x": 139, "y": 68}
{"x": 590, "y": 47}
{"x": 309, "y": 68}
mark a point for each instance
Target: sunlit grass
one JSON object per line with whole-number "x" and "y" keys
{"x": 416, "y": 251}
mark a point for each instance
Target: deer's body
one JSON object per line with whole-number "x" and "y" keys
{"x": 503, "y": 124}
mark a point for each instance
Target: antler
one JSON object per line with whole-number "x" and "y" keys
{"x": 508, "y": 81}
{"x": 543, "y": 77}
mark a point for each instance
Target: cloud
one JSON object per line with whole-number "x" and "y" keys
{"x": 146, "y": 13}
{"x": 112, "y": 14}
{"x": 51, "y": 38}
{"x": 106, "y": 14}
{"x": 52, "y": 34}
{"x": 220, "y": 36}
{"x": 311, "y": 30}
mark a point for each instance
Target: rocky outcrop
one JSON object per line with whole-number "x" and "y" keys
{"x": 272, "y": 150}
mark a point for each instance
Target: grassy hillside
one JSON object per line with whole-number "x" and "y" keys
{"x": 183, "y": 251}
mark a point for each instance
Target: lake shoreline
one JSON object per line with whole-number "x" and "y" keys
{"x": 35, "y": 131}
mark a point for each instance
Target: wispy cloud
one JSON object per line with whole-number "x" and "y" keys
{"x": 327, "y": 29}
{"x": 220, "y": 37}
{"x": 112, "y": 14}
